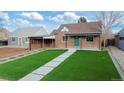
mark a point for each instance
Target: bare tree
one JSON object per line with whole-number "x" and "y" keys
{"x": 108, "y": 19}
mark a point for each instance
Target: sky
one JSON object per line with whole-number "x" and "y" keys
{"x": 51, "y": 20}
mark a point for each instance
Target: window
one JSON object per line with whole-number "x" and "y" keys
{"x": 26, "y": 39}
{"x": 13, "y": 39}
{"x": 89, "y": 38}
{"x": 65, "y": 38}
{"x": 121, "y": 38}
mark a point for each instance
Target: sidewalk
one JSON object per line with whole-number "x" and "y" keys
{"x": 119, "y": 57}
{"x": 39, "y": 73}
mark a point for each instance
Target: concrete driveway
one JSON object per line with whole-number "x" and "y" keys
{"x": 118, "y": 55}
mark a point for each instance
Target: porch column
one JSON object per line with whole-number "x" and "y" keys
{"x": 66, "y": 42}
{"x": 30, "y": 41}
{"x": 52, "y": 44}
{"x": 43, "y": 43}
{"x": 100, "y": 42}
{"x": 81, "y": 42}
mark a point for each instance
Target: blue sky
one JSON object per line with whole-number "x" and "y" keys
{"x": 13, "y": 20}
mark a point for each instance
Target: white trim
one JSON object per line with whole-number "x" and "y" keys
{"x": 25, "y": 39}
{"x": 19, "y": 36}
{"x": 64, "y": 29}
{"x": 20, "y": 42}
{"x": 12, "y": 40}
{"x": 62, "y": 39}
{"x": 49, "y": 37}
{"x": 12, "y": 36}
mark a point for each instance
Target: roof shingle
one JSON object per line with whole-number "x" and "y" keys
{"x": 88, "y": 27}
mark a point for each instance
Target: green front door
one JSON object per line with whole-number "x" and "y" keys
{"x": 76, "y": 41}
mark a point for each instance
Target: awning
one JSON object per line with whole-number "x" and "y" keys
{"x": 49, "y": 37}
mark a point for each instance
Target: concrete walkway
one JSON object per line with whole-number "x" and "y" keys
{"x": 39, "y": 73}
{"x": 118, "y": 55}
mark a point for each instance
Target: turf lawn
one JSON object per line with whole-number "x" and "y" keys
{"x": 16, "y": 69}
{"x": 85, "y": 66}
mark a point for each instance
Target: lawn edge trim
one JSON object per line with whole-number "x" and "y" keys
{"x": 22, "y": 55}
{"x": 28, "y": 54}
{"x": 111, "y": 57}
{"x": 117, "y": 65}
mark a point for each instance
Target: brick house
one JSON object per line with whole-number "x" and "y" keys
{"x": 79, "y": 35}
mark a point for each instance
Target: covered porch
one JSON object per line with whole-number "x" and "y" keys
{"x": 41, "y": 42}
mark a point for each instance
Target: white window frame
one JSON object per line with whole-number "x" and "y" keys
{"x": 27, "y": 39}
{"x": 65, "y": 40}
{"x": 12, "y": 39}
{"x": 90, "y": 36}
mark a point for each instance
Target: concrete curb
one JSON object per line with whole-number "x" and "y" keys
{"x": 117, "y": 65}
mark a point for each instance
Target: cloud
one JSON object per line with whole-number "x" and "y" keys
{"x": 71, "y": 15}
{"x": 21, "y": 23}
{"x": 65, "y": 17}
{"x": 4, "y": 19}
{"x": 32, "y": 16}
{"x": 58, "y": 18}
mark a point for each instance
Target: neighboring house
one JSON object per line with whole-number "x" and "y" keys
{"x": 79, "y": 35}
{"x": 3, "y": 37}
{"x": 119, "y": 39}
{"x": 20, "y": 36}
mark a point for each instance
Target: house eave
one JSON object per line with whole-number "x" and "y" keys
{"x": 83, "y": 33}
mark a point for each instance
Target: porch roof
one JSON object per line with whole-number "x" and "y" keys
{"x": 82, "y": 33}
{"x": 49, "y": 37}
{"x": 44, "y": 37}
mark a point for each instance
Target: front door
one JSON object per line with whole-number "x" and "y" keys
{"x": 76, "y": 41}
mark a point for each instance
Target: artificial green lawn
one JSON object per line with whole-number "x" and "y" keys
{"x": 85, "y": 65}
{"x": 16, "y": 69}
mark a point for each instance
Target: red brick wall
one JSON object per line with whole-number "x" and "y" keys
{"x": 38, "y": 43}
{"x": 70, "y": 42}
{"x": 35, "y": 44}
{"x": 49, "y": 43}
{"x": 59, "y": 40}
{"x": 94, "y": 44}
{"x": 59, "y": 43}
{"x": 83, "y": 43}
